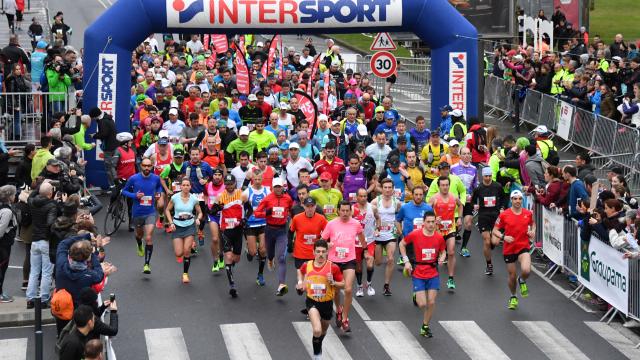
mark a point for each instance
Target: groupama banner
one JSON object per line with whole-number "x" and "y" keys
{"x": 452, "y": 39}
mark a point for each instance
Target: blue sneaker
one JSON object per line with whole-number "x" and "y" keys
{"x": 260, "y": 280}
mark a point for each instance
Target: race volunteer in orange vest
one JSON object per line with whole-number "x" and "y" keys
{"x": 320, "y": 279}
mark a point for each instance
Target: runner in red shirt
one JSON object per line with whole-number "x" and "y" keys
{"x": 429, "y": 247}
{"x": 331, "y": 164}
{"x": 516, "y": 227}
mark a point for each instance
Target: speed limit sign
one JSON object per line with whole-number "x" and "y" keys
{"x": 383, "y": 64}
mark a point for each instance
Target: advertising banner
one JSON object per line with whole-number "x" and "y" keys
{"x": 605, "y": 272}
{"x": 564, "y": 122}
{"x": 107, "y": 81}
{"x": 458, "y": 81}
{"x": 552, "y": 235}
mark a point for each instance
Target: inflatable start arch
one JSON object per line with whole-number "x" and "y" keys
{"x": 110, "y": 40}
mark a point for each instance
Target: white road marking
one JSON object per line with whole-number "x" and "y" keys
{"x": 332, "y": 348}
{"x": 551, "y": 341}
{"x": 617, "y": 340}
{"x": 13, "y": 349}
{"x": 397, "y": 340}
{"x": 166, "y": 344}
{"x": 473, "y": 340}
{"x": 244, "y": 341}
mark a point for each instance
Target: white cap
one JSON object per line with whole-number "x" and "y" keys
{"x": 174, "y": 104}
{"x": 277, "y": 182}
{"x": 244, "y": 131}
{"x": 260, "y": 44}
{"x": 518, "y": 58}
{"x": 294, "y": 145}
{"x": 283, "y": 106}
{"x": 163, "y": 134}
{"x": 158, "y": 77}
{"x": 335, "y": 63}
{"x": 252, "y": 97}
{"x": 165, "y": 83}
{"x": 541, "y": 129}
{"x": 454, "y": 142}
{"x": 516, "y": 193}
{"x": 335, "y": 122}
{"x": 323, "y": 117}
{"x": 362, "y": 130}
{"x": 456, "y": 113}
{"x": 173, "y": 111}
{"x": 231, "y": 124}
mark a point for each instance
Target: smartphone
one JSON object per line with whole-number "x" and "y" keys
{"x": 112, "y": 297}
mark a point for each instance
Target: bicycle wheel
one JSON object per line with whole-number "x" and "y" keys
{"x": 115, "y": 216}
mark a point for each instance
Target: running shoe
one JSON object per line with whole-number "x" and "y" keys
{"x": 233, "y": 292}
{"x": 489, "y": 269}
{"x": 260, "y": 280}
{"x": 360, "y": 291}
{"x": 200, "y": 237}
{"x": 345, "y": 326}
{"x": 24, "y": 286}
{"x": 146, "y": 269}
{"x": 400, "y": 262}
{"x": 220, "y": 264}
{"x": 140, "y": 249}
{"x": 317, "y": 357}
{"x": 426, "y": 331}
{"x": 370, "y": 290}
{"x": 386, "y": 291}
{"x": 185, "y": 278}
{"x": 271, "y": 265}
{"x": 215, "y": 268}
{"x": 524, "y": 289}
{"x": 195, "y": 251}
{"x": 159, "y": 224}
{"x": 338, "y": 316}
{"x": 451, "y": 284}
{"x": 4, "y": 298}
{"x": 465, "y": 252}
{"x": 282, "y": 290}
{"x": 513, "y": 303}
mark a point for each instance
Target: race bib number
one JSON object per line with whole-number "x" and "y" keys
{"x": 231, "y": 222}
{"x": 309, "y": 239}
{"x": 418, "y": 223}
{"x": 428, "y": 254}
{"x": 146, "y": 201}
{"x": 352, "y": 197}
{"x": 397, "y": 193}
{"x": 175, "y": 186}
{"x": 445, "y": 224}
{"x": 329, "y": 209}
{"x": 213, "y": 199}
{"x": 278, "y": 212}
{"x": 342, "y": 252}
{"x": 318, "y": 290}
{"x": 386, "y": 227}
{"x": 490, "y": 201}
{"x": 200, "y": 196}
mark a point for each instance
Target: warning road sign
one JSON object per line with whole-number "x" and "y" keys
{"x": 383, "y": 64}
{"x": 383, "y": 42}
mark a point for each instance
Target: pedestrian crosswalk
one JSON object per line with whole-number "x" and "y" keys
{"x": 245, "y": 341}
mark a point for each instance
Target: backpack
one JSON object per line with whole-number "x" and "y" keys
{"x": 12, "y": 228}
{"x": 552, "y": 155}
{"x": 68, "y": 329}
{"x": 62, "y": 304}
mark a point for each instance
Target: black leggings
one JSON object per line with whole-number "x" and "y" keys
{"x": 5, "y": 252}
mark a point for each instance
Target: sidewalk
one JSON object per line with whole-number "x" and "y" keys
{"x": 38, "y": 10}
{"x": 16, "y": 314}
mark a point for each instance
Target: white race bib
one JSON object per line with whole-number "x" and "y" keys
{"x": 329, "y": 209}
{"x": 489, "y": 201}
{"x": 428, "y": 254}
{"x": 278, "y": 212}
{"x": 397, "y": 193}
{"x": 146, "y": 201}
{"x": 231, "y": 222}
{"x": 418, "y": 223}
{"x": 318, "y": 290}
{"x": 352, "y": 197}
{"x": 342, "y": 252}
{"x": 386, "y": 227}
{"x": 445, "y": 224}
{"x": 309, "y": 239}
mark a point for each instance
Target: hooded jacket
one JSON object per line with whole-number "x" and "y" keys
{"x": 39, "y": 162}
{"x": 75, "y": 280}
{"x": 535, "y": 171}
{"x": 44, "y": 211}
{"x": 60, "y": 230}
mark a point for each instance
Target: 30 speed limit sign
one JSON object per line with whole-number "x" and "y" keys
{"x": 383, "y": 64}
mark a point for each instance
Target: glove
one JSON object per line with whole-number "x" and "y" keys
{"x": 269, "y": 212}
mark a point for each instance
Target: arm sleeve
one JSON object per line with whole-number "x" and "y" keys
{"x": 5, "y": 217}
{"x": 127, "y": 189}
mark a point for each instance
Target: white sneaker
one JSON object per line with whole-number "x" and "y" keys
{"x": 370, "y": 290}
{"x": 360, "y": 291}
{"x": 317, "y": 357}
{"x": 631, "y": 324}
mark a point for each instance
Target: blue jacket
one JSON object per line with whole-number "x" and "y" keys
{"x": 71, "y": 280}
{"x": 445, "y": 126}
{"x": 576, "y": 191}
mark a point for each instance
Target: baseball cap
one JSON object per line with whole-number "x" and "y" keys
{"x": 323, "y": 117}
{"x": 380, "y": 109}
{"x": 334, "y": 122}
{"x": 349, "y": 71}
{"x": 362, "y": 130}
{"x": 285, "y": 146}
{"x": 541, "y": 129}
{"x": 229, "y": 179}
{"x": 163, "y": 134}
{"x": 178, "y": 153}
{"x": 53, "y": 162}
{"x": 326, "y": 176}
{"x": 454, "y": 142}
{"x": 446, "y": 108}
{"x": 173, "y": 111}
{"x": 401, "y": 140}
{"x": 277, "y": 182}
{"x": 353, "y": 82}
{"x": 394, "y": 161}
{"x": 294, "y": 145}
{"x": 158, "y": 77}
{"x": 41, "y": 44}
{"x": 243, "y": 131}
{"x": 443, "y": 165}
{"x": 222, "y": 123}
{"x": 389, "y": 115}
{"x": 217, "y": 170}
{"x": 163, "y": 141}
{"x": 309, "y": 202}
{"x": 486, "y": 171}
{"x": 260, "y": 44}
{"x": 456, "y": 113}
{"x": 516, "y": 193}
{"x": 252, "y": 97}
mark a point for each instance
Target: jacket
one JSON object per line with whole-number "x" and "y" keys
{"x": 72, "y": 347}
{"x": 57, "y": 85}
{"x": 75, "y": 280}
{"x": 44, "y": 211}
{"x": 555, "y": 193}
{"x": 535, "y": 171}
{"x": 60, "y": 230}
{"x": 23, "y": 172}
{"x": 577, "y": 191}
{"x": 15, "y": 55}
{"x": 79, "y": 139}
{"x": 585, "y": 170}
{"x": 107, "y": 133}
{"x": 39, "y": 162}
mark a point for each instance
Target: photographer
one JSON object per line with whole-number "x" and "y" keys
{"x": 63, "y": 181}
{"x": 59, "y": 79}
{"x": 75, "y": 68}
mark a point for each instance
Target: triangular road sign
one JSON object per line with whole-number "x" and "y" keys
{"x": 383, "y": 42}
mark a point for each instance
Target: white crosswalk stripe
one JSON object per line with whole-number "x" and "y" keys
{"x": 551, "y": 341}
{"x": 332, "y": 348}
{"x": 13, "y": 349}
{"x": 617, "y": 340}
{"x": 475, "y": 342}
{"x": 397, "y": 340}
{"x": 166, "y": 344}
{"x": 244, "y": 341}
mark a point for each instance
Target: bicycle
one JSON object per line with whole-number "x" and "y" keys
{"x": 117, "y": 213}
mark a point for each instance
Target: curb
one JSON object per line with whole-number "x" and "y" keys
{"x": 25, "y": 318}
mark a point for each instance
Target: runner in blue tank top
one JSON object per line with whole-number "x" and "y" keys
{"x": 254, "y": 232}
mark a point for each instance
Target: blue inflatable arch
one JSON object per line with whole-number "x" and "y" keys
{"x": 110, "y": 40}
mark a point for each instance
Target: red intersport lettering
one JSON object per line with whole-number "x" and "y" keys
{"x": 212, "y": 11}
{"x": 232, "y": 13}
{"x": 106, "y": 106}
{"x": 265, "y": 7}
{"x": 248, "y": 4}
{"x": 292, "y": 11}
{"x": 458, "y": 78}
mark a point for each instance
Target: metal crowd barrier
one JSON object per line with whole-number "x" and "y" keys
{"x": 24, "y": 116}
{"x": 602, "y": 136}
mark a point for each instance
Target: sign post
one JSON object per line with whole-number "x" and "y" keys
{"x": 383, "y": 64}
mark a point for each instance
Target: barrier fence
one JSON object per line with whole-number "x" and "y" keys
{"x": 602, "y": 136}
{"x": 24, "y": 117}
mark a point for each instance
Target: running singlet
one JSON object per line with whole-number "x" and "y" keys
{"x": 426, "y": 249}
{"x": 232, "y": 210}
{"x": 255, "y": 197}
{"x": 213, "y": 159}
{"x": 317, "y": 280}
{"x": 387, "y": 219}
{"x": 516, "y": 226}
{"x": 352, "y": 182}
{"x": 183, "y": 212}
{"x": 328, "y": 201}
{"x": 446, "y": 212}
{"x": 367, "y": 221}
{"x": 160, "y": 163}
{"x": 267, "y": 177}
{"x": 398, "y": 184}
{"x": 212, "y": 193}
{"x": 343, "y": 236}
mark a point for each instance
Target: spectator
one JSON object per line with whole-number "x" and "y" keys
{"x": 59, "y": 29}
{"x": 583, "y": 165}
{"x": 89, "y": 297}
{"x": 73, "y": 344}
{"x": 93, "y": 350}
{"x": 9, "y": 7}
{"x": 577, "y": 190}
{"x": 59, "y": 80}
{"x": 17, "y": 103}
{"x": 8, "y": 231}
{"x": 534, "y": 168}
{"x": 42, "y": 156}
{"x": 37, "y": 64}
{"x": 107, "y": 134}
{"x": 23, "y": 170}
{"x": 619, "y": 47}
{"x": 555, "y": 191}
{"x": 15, "y": 54}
